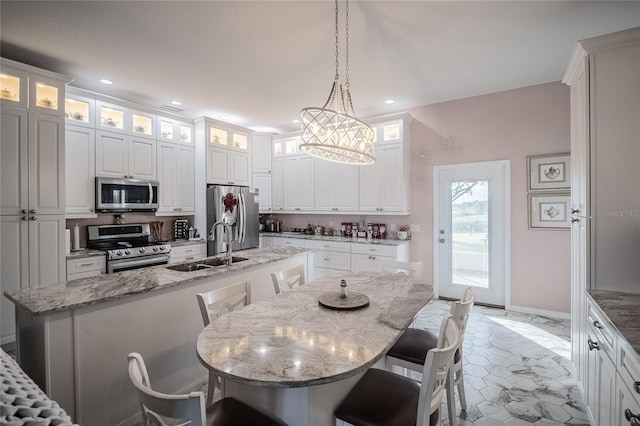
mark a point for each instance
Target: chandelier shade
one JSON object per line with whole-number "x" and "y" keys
{"x": 332, "y": 132}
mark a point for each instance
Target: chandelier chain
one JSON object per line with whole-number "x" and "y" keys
{"x": 337, "y": 43}
{"x": 347, "y": 45}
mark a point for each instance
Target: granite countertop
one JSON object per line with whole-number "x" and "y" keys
{"x": 87, "y": 252}
{"x": 102, "y": 288}
{"x": 623, "y": 310}
{"x": 298, "y": 235}
{"x": 288, "y": 340}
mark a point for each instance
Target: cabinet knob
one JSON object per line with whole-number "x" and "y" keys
{"x": 23, "y": 211}
{"x": 575, "y": 211}
{"x": 593, "y": 345}
{"x": 636, "y": 387}
{"x": 597, "y": 324}
{"x": 32, "y": 218}
{"x": 32, "y": 211}
{"x": 24, "y": 218}
{"x": 574, "y": 220}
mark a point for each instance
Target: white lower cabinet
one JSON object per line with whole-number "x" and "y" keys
{"x": 188, "y": 253}
{"x": 371, "y": 257}
{"x": 332, "y": 257}
{"x": 86, "y": 267}
{"x": 612, "y": 380}
{"x": 32, "y": 248}
{"x": 262, "y": 184}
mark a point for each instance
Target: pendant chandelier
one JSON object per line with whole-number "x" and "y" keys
{"x": 333, "y": 132}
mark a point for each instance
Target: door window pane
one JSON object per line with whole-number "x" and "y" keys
{"x": 470, "y": 233}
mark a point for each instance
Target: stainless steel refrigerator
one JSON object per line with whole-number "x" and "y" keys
{"x": 235, "y": 206}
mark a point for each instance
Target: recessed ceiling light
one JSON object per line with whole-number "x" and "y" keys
{"x": 389, "y": 101}
{"x": 105, "y": 81}
{"x": 176, "y": 103}
{"x": 295, "y": 120}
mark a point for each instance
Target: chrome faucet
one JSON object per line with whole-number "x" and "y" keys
{"x": 227, "y": 230}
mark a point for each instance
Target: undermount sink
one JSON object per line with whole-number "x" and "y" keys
{"x": 204, "y": 264}
{"x": 188, "y": 267}
{"x": 216, "y": 261}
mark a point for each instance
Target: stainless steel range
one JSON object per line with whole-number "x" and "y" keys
{"x": 127, "y": 246}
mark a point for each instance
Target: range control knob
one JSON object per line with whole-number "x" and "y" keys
{"x": 161, "y": 248}
{"x": 127, "y": 252}
{"x": 142, "y": 249}
{"x": 118, "y": 253}
{"x": 155, "y": 248}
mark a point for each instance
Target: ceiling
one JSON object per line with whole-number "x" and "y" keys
{"x": 257, "y": 63}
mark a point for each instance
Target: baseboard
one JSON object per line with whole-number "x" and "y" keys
{"x": 541, "y": 312}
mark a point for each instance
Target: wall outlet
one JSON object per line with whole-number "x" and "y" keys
{"x": 392, "y": 227}
{"x": 414, "y": 228}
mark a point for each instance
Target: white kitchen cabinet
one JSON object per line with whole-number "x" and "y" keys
{"x": 331, "y": 257}
{"x": 298, "y": 184}
{"x": 86, "y": 267}
{"x": 371, "y": 257}
{"x": 277, "y": 184}
{"x": 627, "y": 394}
{"x": 384, "y": 184}
{"x": 176, "y": 179}
{"x": 262, "y": 184}
{"x": 32, "y": 256}
{"x": 112, "y": 117}
{"x": 227, "y": 167}
{"x": 32, "y": 160}
{"x": 604, "y": 88}
{"x": 80, "y": 111}
{"x": 336, "y": 186}
{"x": 261, "y": 153}
{"x": 175, "y": 131}
{"x": 80, "y": 173}
{"x": 188, "y": 253}
{"x": 120, "y": 155}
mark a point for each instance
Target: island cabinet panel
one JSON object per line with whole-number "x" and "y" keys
{"x": 78, "y": 356}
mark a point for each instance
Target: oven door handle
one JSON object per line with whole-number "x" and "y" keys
{"x": 150, "y": 193}
{"x": 122, "y": 264}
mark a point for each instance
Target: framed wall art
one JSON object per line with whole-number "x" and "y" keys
{"x": 549, "y": 211}
{"x": 549, "y": 172}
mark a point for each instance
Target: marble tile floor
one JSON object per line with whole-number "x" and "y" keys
{"x": 517, "y": 369}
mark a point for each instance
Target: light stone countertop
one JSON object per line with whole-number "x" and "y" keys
{"x": 289, "y": 340}
{"x": 102, "y": 288}
{"x": 623, "y": 310}
{"x": 300, "y": 236}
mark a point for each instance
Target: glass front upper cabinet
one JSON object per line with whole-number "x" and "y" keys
{"x": 240, "y": 141}
{"x": 218, "y": 136}
{"x": 79, "y": 110}
{"x": 186, "y": 134}
{"x": 166, "y": 129}
{"x": 391, "y": 132}
{"x": 142, "y": 124}
{"x": 46, "y": 96}
{"x": 10, "y": 87}
{"x": 285, "y": 147}
{"x": 111, "y": 117}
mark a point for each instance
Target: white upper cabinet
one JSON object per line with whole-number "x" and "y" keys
{"x": 228, "y": 152}
{"x": 277, "y": 184}
{"x": 298, "y": 183}
{"x": 143, "y": 124}
{"x": 261, "y": 153}
{"x": 120, "y": 155}
{"x": 176, "y": 179}
{"x": 80, "y": 110}
{"x": 383, "y": 186}
{"x": 80, "y": 146}
{"x": 336, "y": 186}
{"x": 262, "y": 185}
{"x": 111, "y": 117}
{"x": 170, "y": 130}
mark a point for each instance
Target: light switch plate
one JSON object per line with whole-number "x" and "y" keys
{"x": 414, "y": 228}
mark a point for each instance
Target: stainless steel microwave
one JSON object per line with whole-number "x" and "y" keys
{"x": 126, "y": 195}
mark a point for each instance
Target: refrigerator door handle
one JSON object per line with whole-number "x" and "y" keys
{"x": 242, "y": 213}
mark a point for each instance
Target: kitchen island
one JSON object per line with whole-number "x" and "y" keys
{"x": 73, "y": 338}
{"x": 295, "y": 359}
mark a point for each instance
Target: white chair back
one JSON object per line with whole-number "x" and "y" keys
{"x": 216, "y": 303}
{"x": 412, "y": 269}
{"x": 288, "y": 279}
{"x": 436, "y": 370}
{"x": 461, "y": 309}
{"x": 188, "y": 407}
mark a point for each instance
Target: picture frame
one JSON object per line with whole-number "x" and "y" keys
{"x": 550, "y": 211}
{"x": 549, "y": 172}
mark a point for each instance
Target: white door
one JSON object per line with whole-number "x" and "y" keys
{"x": 471, "y": 230}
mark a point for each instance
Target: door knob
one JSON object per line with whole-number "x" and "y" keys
{"x": 441, "y": 240}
